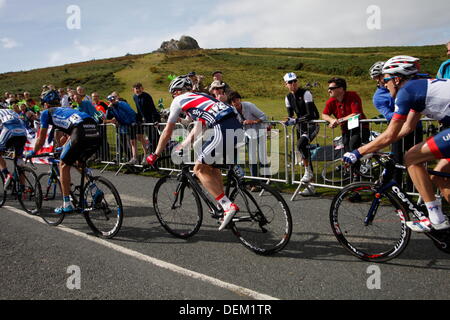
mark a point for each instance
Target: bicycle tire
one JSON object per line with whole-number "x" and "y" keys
{"x": 183, "y": 221}
{"x": 31, "y": 197}
{"x": 263, "y": 223}
{"x": 52, "y": 197}
{"x": 3, "y": 193}
{"x": 103, "y": 211}
{"x": 333, "y": 172}
{"x": 380, "y": 241}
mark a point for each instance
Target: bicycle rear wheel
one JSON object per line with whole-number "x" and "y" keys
{"x": 378, "y": 241}
{"x": 2, "y": 190}
{"x": 177, "y": 207}
{"x": 263, "y": 223}
{"x": 30, "y": 194}
{"x": 51, "y": 198}
{"x": 103, "y": 208}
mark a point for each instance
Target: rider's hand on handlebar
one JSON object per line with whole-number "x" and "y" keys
{"x": 29, "y": 154}
{"x": 151, "y": 159}
{"x": 351, "y": 157}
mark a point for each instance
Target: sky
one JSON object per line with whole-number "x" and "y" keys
{"x": 43, "y": 33}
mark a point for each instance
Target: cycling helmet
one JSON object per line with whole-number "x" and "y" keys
{"x": 179, "y": 83}
{"x": 376, "y": 69}
{"x": 402, "y": 65}
{"x": 51, "y": 97}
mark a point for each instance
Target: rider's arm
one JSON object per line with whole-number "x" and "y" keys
{"x": 41, "y": 139}
{"x": 410, "y": 124}
{"x": 165, "y": 137}
{"x": 195, "y": 132}
{"x": 386, "y": 138}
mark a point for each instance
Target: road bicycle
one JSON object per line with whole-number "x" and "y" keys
{"x": 95, "y": 197}
{"x": 263, "y": 224}
{"x": 369, "y": 218}
{"x": 24, "y": 187}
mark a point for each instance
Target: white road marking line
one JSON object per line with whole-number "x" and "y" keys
{"x": 159, "y": 263}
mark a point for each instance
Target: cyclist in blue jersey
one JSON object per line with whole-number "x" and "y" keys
{"x": 416, "y": 97}
{"x": 84, "y": 141}
{"x": 209, "y": 113}
{"x": 13, "y": 134}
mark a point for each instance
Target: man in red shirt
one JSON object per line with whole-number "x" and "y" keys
{"x": 342, "y": 106}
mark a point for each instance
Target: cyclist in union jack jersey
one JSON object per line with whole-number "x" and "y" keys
{"x": 416, "y": 97}
{"x": 212, "y": 114}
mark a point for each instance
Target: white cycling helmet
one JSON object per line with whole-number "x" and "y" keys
{"x": 402, "y": 65}
{"x": 377, "y": 69}
{"x": 179, "y": 83}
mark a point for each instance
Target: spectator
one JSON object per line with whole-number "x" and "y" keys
{"x": 147, "y": 113}
{"x": 34, "y": 108}
{"x": 300, "y": 104}
{"x": 65, "y": 102}
{"x": 3, "y": 104}
{"x": 99, "y": 105}
{"x": 197, "y": 82}
{"x": 444, "y": 70}
{"x": 385, "y": 104}
{"x": 218, "y": 76}
{"x": 84, "y": 106}
{"x": 82, "y": 92}
{"x": 252, "y": 118}
{"x": 120, "y": 113}
{"x": 344, "y": 105}
{"x": 217, "y": 90}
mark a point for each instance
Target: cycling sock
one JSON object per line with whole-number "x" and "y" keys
{"x": 67, "y": 201}
{"x": 435, "y": 211}
{"x": 223, "y": 201}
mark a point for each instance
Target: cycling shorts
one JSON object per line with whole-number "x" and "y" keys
{"x": 440, "y": 145}
{"x": 85, "y": 140}
{"x": 13, "y": 138}
{"x": 220, "y": 148}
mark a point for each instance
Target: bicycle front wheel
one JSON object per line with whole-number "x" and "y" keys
{"x": 376, "y": 238}
{"x": 177, "y": 207}
{"x": 103, "y": 208}
{"x": 335, "y": 173}
{"x": 30, "y": 194}
{"x": 52, "y": 197}
{"x": 263, "y": 223}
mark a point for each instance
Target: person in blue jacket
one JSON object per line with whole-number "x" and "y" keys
{"x": 385, "y": 104}
{"x": 444, "y": 70}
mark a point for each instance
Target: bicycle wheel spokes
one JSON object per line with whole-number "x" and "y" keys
{"x": 103, "y": 208}
{"x": 51, "y": 198}
{"x": 177, "y": 207}
{"x": 263, "y": 223}
{"x": 384, "y": 238}
{"x": 335, "y": 172}
{"x": 2, "y": 190}
{"x": 30, "y": 195}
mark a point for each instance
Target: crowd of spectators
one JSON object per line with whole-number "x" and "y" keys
{"x": 342, "y": 106}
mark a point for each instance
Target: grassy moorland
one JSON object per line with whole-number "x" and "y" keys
{"x": 255, "y": 73}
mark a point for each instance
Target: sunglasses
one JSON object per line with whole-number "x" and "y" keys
{"x": 333, "y": 88}
{"x": 386, "y": 80}
{"x": 292, "y": 81}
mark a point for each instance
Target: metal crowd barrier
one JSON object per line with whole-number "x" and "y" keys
{"x": 281, "y": 154}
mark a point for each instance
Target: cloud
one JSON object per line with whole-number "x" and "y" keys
{"x": 297, "y": 23}
{"x": 8, "y": 43}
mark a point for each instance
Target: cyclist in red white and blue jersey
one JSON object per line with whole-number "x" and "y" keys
{"x": 414, "y": 98}
{"x": 212, "y": 114}
{"x": 13, "y": 134}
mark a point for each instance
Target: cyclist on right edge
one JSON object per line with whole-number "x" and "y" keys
{"x": 414, "y": 97}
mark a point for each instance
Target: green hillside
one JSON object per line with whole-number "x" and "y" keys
{"x": 255, "y": 73}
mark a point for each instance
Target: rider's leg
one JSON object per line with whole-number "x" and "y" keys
{"x": 443, "y": 183}
{"x": 415, "y": 159}
{"x": 210, "y": 178}
{"x": 65, "y": 178}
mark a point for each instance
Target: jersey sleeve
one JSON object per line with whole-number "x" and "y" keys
{"x": 45, "y": 119}
{"x": 175, "y": 111}
{"x": 308, "y": 97}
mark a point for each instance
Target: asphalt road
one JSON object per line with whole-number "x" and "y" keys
{"x": 144, "y": 262}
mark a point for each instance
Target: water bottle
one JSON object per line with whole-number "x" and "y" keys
{"x": 239, "y": 171}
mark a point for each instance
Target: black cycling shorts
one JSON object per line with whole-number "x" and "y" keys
{"x": 85, "y": 140}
